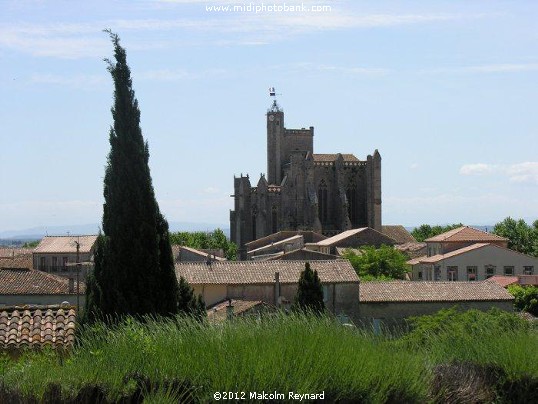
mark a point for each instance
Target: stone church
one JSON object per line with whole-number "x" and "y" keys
{"x": 303, "y": 190}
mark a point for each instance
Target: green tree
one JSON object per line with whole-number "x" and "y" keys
{"x": 310, "y": 291}
{"x": 382, "y": 263}
{"x": 188, "y": 303}
{"x": 426, "y": 231}
{"x": 134, "y": 270}
{"x": 521, "y": 237}
{"x": 525, "y": 298}
{"x": 31, "y": 244}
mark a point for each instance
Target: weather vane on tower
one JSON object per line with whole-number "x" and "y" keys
{"x": 273, "y": 94}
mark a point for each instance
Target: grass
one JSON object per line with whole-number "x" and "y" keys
{"x": 167, "y": 360}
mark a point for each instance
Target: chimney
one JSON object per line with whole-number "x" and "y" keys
{"x": 71, "y": 285}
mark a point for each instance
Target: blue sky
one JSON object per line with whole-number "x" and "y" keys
{"x": 446, "y": 90}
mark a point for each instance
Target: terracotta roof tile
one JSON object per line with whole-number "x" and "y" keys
{"x": 398, "y": 233}
{"x": 417, "y": 291}
{"x": 34, "y": 282}
{"x": 65, "y": 244}
{"x": 218, "y": 311}
{"x": 9, "y": 252}
{"x": 465, "y": 234}
{"x": 19, "y": 261}
{"x": 263, "y": 272}
{"x": 340, "y": 236}
{"x": 503, "y": 281}
{"x": 309, "y": 235}
{"x": 35, "y": 326}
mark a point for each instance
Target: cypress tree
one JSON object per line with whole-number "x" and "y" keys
{"x": 310, "y": 291}
{"x": 134, "y": 267}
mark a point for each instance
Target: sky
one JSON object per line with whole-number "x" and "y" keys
{"x": 447, "y": 91}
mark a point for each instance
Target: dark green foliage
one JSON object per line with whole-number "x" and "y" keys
{"x": 134, "y": 270}
{"x": 31, "y": 244}
{"x": 206, "y": 240}
{"x": 453, "y": 323}
{"x": 521, "y": 237}
{"x": 188, "y": 303}
{"x": 526, "y": 298}
{"x": 310, "y": 291}
{"x": 425, "y": 231}
{"x": 384, "y": 263}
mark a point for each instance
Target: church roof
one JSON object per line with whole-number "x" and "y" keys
{"x": 333, "y": 157}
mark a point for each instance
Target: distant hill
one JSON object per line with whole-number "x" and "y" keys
{"x": 36, "y": 233}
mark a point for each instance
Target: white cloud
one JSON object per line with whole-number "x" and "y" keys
{"x": 179, "y": 74}
{"x": 526, "y": 172}
{"x": 211, "y": 190}
{"x": 77, "y": 40}
{"x": 491, "y": 68}
{"x": 478, "y": 169}
{"x": 80, "y": 81}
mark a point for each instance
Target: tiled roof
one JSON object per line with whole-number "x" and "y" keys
{"x": 440, "y": 257}
{"x": 281, "y": 235}
{"x": 465, "y": 233}
{"x": 33, "y": 282}
{"x": 263, "y": 272}
{"x": 37, "y": 326}
{"x": 504, "y": 281}
{"x": 413, "y": 250}
{"x": 416, "y": 260}
{"x": 398, "y": 233}
{"x": 313, "y": 255}
{"x": 65, "y": 244}
{"x": 218, "y": 311}
{"x": 349, "y": 233}
{"x": 409, "y": 291}
{"x": 332, "y": 157}
{"x": 277, "y": 243}
{"x": 340, "y": 236}
{"x": 19, "y": 261}
{"x": 176, "y": 250}
{"x": 9, "y": 252}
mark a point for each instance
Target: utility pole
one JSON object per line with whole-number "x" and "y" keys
{"x": 78, "y": 276}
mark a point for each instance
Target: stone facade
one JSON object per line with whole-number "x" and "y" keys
{"x": 326, "y": 193}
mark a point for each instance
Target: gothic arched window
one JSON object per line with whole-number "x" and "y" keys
{"x": 322, "y": 202}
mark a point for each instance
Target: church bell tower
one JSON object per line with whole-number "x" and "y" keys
{"x": 275, "y": 132}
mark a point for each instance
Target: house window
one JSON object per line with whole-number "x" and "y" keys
{"x": 452, "y": 274}
{"x": 42, "y": 263}
{"x": 419, "y": 275}
{"x": 471, "y": 273}
{"x": 490, "y": 271}
{"x": 528, "y": 270}
{"x": 508, "y": 271}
